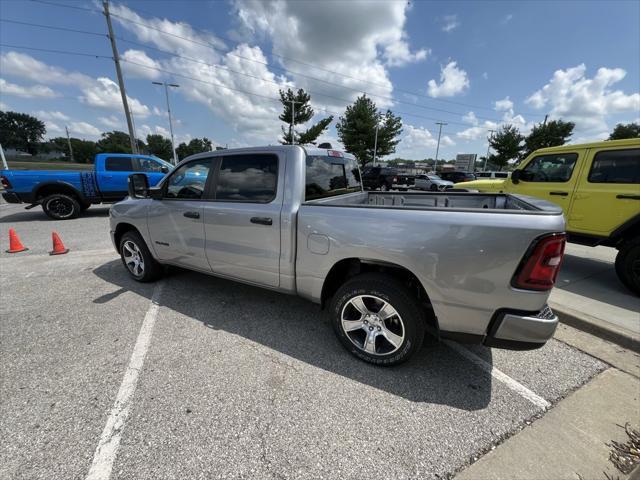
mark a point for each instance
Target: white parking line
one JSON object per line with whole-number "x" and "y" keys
{"x": 107, "y": 449}
{"x": 500, "y": 376}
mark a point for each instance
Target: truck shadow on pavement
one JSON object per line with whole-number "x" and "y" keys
{"x": 37, "y": 215}
{"x": 299, "y": 329}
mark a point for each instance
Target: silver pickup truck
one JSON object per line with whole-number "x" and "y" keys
{"x": 389, "y": 266}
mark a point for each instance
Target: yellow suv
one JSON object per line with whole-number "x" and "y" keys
{"x": 598, "y": 187}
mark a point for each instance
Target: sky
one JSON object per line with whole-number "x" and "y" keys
{"x": 473, "y": 65}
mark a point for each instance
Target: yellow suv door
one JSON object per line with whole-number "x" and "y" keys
{"x": 608, "y": 192}
{"x": 550, "y": 176}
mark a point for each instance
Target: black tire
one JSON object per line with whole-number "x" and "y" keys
{"x": 84, "y": 206}
{"x": 133, "y": 249}
{"x": 628, "y": 265}
{"x": 410, "y": 320}
{"x": 61, "y": 207}
{"x": 433, "y": 187}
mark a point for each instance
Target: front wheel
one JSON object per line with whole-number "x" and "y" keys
{"x": 60, "y": 207}
{"x": 628, "y": 265}
{"x": 137, "y": 258}
{"x": 434, "y": 187}
{"x": 377, "y": 319}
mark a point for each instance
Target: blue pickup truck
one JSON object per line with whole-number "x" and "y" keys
{"x": 65, "y": 194}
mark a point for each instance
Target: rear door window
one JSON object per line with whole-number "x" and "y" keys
{"x": 189, "y": 181}
{"x": 119, "y": 164}
{"x": 247, "y": 178}
{"x": 616, "y": 166}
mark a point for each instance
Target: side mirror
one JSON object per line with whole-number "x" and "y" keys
{"x": 515, "y": 176}
{"x": 138, "y": 185}
{"x": 164, "y": 169}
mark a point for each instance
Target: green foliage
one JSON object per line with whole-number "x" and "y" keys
{"x": 551, "y": 134}
{"x": 357, "y": 130}
{"x": 21, "y": 131}
{"x": 507, "y": 145}
{"x": 622, "y": 131}
{"x": 114, "y": 142}
{"x": 302, "y": 112}
{"x": 160, "y": 147}
{"x": 196, "y": 145}
{"x": 84, "y": 151}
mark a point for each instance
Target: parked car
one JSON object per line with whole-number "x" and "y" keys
{"x": 386, "y": 178}
{"x": 389, "y": 265}
{"x": 598, "y": 187}
{"x": 431, "y": 182}
{"x": 456, "y": 177}
{"x": 65, "y": 194}
{"x": 485, "y": 175}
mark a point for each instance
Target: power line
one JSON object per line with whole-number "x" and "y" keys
{"x": 75, "y": 7}
{"x": 51, "y": 27}
{"x": 48, "y": 50}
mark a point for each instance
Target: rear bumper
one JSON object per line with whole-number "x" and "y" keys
{"x": 520, "y": 330}
{"x": 513, "y": 330}
{"x": 11, "y": 197}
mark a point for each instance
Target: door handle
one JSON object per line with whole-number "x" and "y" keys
{"x": 262, "y": 220}
{"x": 562, "y": 194}
{"x": 629, "y": 197}
{"x": 191, "y": 214}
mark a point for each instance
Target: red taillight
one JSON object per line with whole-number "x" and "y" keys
{"x": 540, "y": 267}
{"x": 6, "y": 184}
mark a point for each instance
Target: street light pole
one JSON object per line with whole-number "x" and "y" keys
{"x": 484, "y": 168}
{"x": 438, "y": 147}
{"x": 375, "y": 146}
{"x": 166, "y": 93}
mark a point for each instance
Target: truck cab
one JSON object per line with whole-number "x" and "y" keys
{"x": 598, "y": 187}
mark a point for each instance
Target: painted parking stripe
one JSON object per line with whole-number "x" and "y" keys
{"x": 107, "y": 449}
{"x": 500, "y": 376}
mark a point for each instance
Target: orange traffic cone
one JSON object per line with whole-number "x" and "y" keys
{"x": 58, "y": 246}
{"x": 15, "y": 245}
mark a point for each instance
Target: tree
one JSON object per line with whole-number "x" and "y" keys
{"x": 551, "y": 134}
{"x": 84, "y": 151}
{"x": 196, "y": 145}
{"x": 507, "y": 144}
{"x": 159, "y": 146}
{"x": 357, "y": 130}
{"x": 302, "y": 112}
{"x": 21, "y": 131}
{"x": 118, "y": 142}
{"x": 621, "y": 131}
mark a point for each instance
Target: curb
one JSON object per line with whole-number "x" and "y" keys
{"x": 597, "y": 327}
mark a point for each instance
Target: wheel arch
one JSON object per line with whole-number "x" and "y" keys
{"x": 347, "y": 268}
{"x": 123, "y": 228}
{"x": 45, "y": 189}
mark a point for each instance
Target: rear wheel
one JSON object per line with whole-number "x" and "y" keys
{"x": 378, "y": 319}
{"x": 61, "y": 207}
{"x": 628, "y": 265}
{"x": 137, "y": 258}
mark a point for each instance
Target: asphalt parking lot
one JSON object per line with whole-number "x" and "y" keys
{"x": 237, "y": 382}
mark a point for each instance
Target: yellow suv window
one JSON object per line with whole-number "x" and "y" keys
{"x": 616, "y": 166}
{"x": 550, "y": 168}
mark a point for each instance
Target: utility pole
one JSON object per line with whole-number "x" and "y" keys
{"x": 544, "y": 124}
{"x": 375, "y": 145}
{"x": 69, "y": 143}
{"x": 123, "y": 93}
{"x": 484, "y": 168}
{"x": 438, "y": 147}
{"x": 166, "y": 93}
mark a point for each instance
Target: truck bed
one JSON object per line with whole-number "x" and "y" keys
{"x": 444, "y": 200}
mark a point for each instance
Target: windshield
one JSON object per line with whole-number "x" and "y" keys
{"x": 328, "y": 176}
{"x": 434, "y": 177}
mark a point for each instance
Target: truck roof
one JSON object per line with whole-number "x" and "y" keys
{"x": 309, "y": 150}
{"x": 604, "y": 143}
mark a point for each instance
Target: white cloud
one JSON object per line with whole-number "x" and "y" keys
{"x": 588, "y": 102}
{"x": 138, "y": 64}
{"x": 33, "y": 91}
{"x": 453, "y": 80}
{"x": 84, "y": 128}
{"x": 450, "y": 23}
{"x": 53, "y": 128}
{"x": 471, "y": 118}
{"x": 105, "y": 93}
{"x": 419, "y": 143}
{"x": 25, "y": 66}
{"x": 485, "y": 75}
{"x": 4, "y": 106}
{"x": 51, "y": 115}
{"x": 503, "y": 105}
{"x": 507, "y": 18}
{"x": 112, "y": 122}
{"x": 144, "y": 130}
